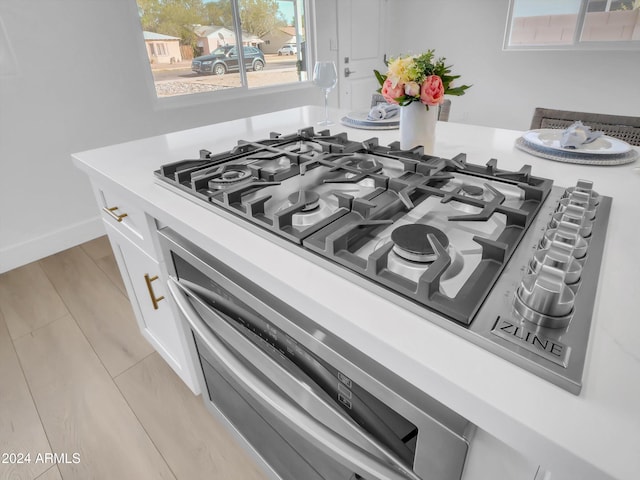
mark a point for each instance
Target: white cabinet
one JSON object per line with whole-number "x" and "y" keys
{"x": 147, "y": 294}
{"x": 131, "y": 233}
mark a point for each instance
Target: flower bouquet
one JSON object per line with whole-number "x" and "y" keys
{"x": 417, "y": 82}
{"x": 418, "y": 78}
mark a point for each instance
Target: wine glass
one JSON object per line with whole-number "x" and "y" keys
{"x": 325, "y": 76}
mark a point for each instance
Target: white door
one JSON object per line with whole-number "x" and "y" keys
{"x": 362, "y": 34}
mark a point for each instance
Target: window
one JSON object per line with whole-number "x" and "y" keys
{"x": 192, "y": 45}
{"x": 573, "y": 24}
{"x": 158, "y": 49}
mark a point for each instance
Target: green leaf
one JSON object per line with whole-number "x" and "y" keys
{"x": 457, "y": 90}
{"x": 381, "y": 78}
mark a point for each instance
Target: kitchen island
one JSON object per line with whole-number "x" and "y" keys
{"x": 589, "y": 436}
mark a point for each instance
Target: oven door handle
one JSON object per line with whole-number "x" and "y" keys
{"x": 295, "y": 417}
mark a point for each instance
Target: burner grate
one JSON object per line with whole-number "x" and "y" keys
{"x": 354, "y": 192}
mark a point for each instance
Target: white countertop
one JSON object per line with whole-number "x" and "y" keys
{"x": 590, "y": 436}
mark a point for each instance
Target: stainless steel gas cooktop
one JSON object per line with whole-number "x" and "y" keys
{"x": 500, "y": 257}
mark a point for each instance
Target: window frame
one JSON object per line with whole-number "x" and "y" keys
{"x": 241, "y": 92}
{"x": 576, "y": 44}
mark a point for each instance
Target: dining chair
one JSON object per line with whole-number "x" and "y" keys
{"x": 445, "y": 109}
{"x": 443, "y": 113}
{"x": 618, "y": 126}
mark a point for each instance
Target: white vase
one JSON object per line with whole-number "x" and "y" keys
{"x": 418, "y": 126}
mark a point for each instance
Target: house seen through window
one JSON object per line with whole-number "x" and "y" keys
{"x": 196, "y": 46}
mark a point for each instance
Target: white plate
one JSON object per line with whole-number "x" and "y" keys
{"x": 550, "y": 138}
{"x": 360, "y": 120}
{"x": 577, "y": 156}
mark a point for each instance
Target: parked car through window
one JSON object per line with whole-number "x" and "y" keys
{"x": 288, "y": 50}
{"x": 225, "y": 59}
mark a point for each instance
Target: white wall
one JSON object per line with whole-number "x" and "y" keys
{"x": 81, "y": 82}
{"x": 508, "y": 85}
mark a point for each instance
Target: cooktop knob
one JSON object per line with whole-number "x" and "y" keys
{"x": 586, "y": 187}
{"x": 569, "y": 234}
{"x": 581, "y": 200}
{"x": 558, "y": 255}
{"x": 544, "y": 299}
{"x": 576, "y": 215}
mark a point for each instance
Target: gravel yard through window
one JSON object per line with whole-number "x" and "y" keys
{"x": 189, "y": 82}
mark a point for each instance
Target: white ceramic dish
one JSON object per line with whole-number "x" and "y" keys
{"x": 360, "y": 120}
{"x": 550, "y": 138}
{"x": 573, "y": 156}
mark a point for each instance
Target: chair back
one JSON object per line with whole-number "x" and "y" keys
{"x": 621, "y": 127}
{"x": 445, "y": 109}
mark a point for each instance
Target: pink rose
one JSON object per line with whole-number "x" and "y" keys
{"x": 412, "y": 89}
{"x": 390, "y": 93}
{"x": 432, "y": 91}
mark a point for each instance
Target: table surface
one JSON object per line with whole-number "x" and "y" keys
{"x": 591, "y": 435}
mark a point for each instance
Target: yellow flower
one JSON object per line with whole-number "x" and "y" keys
{"x": 400, "y": 70}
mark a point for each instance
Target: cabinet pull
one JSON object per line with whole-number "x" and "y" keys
{"x": 152, "y": 294}
{"x": 112, "y": 213}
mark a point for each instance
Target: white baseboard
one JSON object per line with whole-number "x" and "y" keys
{"x": 15, "y": 256}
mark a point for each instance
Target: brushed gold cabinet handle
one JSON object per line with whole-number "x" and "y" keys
{"x": 112, "y": 213}
{"x": 152, "y": 294}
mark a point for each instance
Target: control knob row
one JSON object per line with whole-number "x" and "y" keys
{"x": 546, "y": 294}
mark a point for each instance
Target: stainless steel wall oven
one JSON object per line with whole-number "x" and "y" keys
{"x": 309, "y": 405}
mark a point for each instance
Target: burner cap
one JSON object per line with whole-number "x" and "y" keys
{"x": 472, "y": 191}
{"x": 230, "y": 175}
{"x": 308, "y": 198}
{"x": 366, "y": 163}
{"x": 369, "y": 164}
{"x": 411, "y": 242}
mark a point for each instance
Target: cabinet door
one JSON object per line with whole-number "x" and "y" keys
{"x": 147, "y": 294}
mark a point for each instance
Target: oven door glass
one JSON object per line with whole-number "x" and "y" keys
{"x": 291, "y": 391}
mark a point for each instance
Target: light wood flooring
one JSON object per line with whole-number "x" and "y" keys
{"x": 79, "y": 381}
